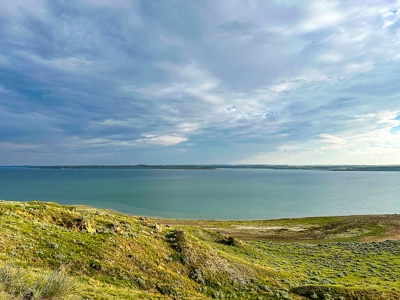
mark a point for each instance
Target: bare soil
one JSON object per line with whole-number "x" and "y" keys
{"x": 364, "y": 228}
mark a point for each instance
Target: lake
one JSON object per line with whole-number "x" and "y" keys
{"x": 210, "y": 194}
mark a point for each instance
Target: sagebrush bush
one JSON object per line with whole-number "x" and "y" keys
{"x": 14, "y": 284}
{"x": 55, "y": 285}
{"x": 12, "y": 279}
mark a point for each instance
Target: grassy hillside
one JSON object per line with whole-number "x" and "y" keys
{"x": 115, "y": 256}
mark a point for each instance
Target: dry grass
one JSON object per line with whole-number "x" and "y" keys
{"x": 308, "y": 230}
{"x": 16, "y": 283}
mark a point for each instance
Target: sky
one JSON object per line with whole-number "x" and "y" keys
{"x": 199, "y": 82}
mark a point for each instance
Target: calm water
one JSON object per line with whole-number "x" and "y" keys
{"x": 210, "y": 194}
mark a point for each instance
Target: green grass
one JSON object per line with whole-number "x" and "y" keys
{"x": 107, "y": 255}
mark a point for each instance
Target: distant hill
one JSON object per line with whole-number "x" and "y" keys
{"x": 214, "y": 167}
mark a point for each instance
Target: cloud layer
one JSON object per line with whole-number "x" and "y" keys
{"x": 180, "y": 82}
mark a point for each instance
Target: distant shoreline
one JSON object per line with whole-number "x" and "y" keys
{"x": 222, "y": 166}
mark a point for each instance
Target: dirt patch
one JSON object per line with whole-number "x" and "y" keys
{"x": 365, "y": 228}
{"x": 270, "y": 228}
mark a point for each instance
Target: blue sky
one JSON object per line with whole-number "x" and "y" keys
{"x": 199, "y": 82}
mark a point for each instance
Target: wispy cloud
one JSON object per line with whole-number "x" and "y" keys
{"x": 165, "y": 140}
{"x": 273, "y": 82}
{"x": 330, "y": 139}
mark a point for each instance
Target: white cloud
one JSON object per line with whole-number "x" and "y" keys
{"x": 390, "y": 18}
{"x": 188, "y": 127}
{"x": 330, "y": 57}
{"x": 322, "y": 16}
{"x": 281, "y": 87}
{"x": 164, "y": 140}
{"x": 70, "y": 64}
{"x": 18, "y": 146}
{"x": 359, "y": 67}
{"x": 115, "y": 122}
{"x": 330, "y": 139}
{"x": 109, "y": 3}
{"x": 185, "y": 81}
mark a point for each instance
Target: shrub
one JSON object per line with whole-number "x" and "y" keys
{"x": 55, "y": 285}
{"x": 165, "y": 289}
{"x": 142, "y": 283}
{"x": 229, "y": 240}
{"x": 197, "y": 275}
{"x": 12, "y": 279}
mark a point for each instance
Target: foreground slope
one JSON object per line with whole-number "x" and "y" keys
{"x": 116, "y": 256}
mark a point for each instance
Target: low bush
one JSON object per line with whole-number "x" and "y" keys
{"x": 12, "y": 279}
{"x": 55, "y": 285}
{"x": 15, "y": 284}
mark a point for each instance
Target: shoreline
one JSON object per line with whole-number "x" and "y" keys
{"x": 361, "y": 228}
{"x": 189, "y": 220}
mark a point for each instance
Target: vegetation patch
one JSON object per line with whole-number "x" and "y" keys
{"x": 101, "y": 254}
{"x": 18, "y": 283}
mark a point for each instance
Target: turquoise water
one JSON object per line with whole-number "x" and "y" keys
{"x": 210, "y": 194}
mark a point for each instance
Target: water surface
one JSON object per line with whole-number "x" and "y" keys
{"x": 210, "y": 194}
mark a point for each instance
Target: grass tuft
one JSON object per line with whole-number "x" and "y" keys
{"x": 55, "y": 285}
{"x": 15, "y": 284}
{"x": 12, "y": 279}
